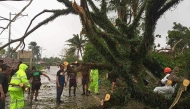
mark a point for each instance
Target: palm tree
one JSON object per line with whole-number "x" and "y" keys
{"x": 35, "y": 49}
{"x": 32, "y": 46}
{"x": 76, "y": 44}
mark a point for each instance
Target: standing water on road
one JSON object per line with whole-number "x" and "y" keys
{"x": 47, "y": 95}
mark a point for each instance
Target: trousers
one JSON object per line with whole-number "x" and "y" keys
{"x": 59, "y": 93}
{"x": 94, "y": 85}
{"x": 17, "y": 99}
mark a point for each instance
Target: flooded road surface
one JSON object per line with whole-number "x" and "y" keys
{"x": 47, "y": 95}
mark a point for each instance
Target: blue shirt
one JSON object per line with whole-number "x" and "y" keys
{"x": 61, "y": 77}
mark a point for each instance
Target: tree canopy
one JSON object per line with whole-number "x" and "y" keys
{"x": 123, "y": 45}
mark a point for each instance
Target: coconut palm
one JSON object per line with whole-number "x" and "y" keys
{"x": 35, "y": 49}
{"x": 32, "y": 46}
{"x": 76, "y": 44}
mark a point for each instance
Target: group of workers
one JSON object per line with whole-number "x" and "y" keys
{"x": 25, "y": 79}
{"x": 21, "y": 80}
{"x": 89, "y": 80}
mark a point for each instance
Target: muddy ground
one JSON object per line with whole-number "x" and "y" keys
{"x": 47, "y": 95}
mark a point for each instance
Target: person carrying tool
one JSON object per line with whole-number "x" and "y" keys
{"x": 94, "y": 80}
{"x": 36, "y": 83}
{"x": 16, "y": 90}
{"x": 166, "y": 89}
{"x": 6, "y": 70}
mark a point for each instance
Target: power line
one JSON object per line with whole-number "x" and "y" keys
{"x": 38, "y": 37}
{"x": 9, "y": 40}
{"x": 33, "y": 34}
{"x": 9, "y": 7}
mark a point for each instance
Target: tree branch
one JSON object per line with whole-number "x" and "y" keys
{"x": 94, "y": 66}
{"x": 93, "y": 37}
{"x": 55, "y": 15}
{"x": 167, "y": 6}
{"x": 111, "y": 44}
{"x": 175, "y": 45}
{"x": 36, "y": 17}
{"x": 93, "y": 6}
{"x": 182, "y": 50}
{"x": 67, "y": 3}
{"x": 137, "y": 18}
{"x": 16, "y": 16}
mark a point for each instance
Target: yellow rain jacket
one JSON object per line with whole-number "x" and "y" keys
{"x": 19, "y": 77}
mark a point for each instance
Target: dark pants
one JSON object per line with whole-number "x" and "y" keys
{"x": 2, "y": 104}
{"x": 36, "y": 85}
{"x": 72, "y": 82}
{"x": 59, "y": 93}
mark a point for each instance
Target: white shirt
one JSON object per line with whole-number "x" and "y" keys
{"x": 164, "y": 80}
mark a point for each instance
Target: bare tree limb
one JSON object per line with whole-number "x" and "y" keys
{"x": 167, "y": 6}
{"x": 16, "y": 16}
{"x": 37, "y": 26}
{"x": 175, "y": 45}
{"x": 182, "y": 50}
{"x": 17, "y": 46}
{"x": 2, "y": 27}
{"x": 3, "y": 18}
{"x": 172, "y": 49}
{"x": 36, "y": 17}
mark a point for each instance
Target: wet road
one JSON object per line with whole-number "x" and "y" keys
{"x": 47, "y": 95}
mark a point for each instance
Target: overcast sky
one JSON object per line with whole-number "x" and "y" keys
{"x": 52, "y": 36}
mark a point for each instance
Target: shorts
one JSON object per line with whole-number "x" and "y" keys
{"x": 36, "y": 85}
{"x": 112, "y": 80}
{"x": 85, "y": 81}
{"x": 73, "y": 83}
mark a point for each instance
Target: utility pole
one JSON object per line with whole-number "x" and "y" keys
{"x": 9, "y": 39}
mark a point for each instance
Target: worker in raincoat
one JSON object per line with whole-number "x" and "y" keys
{"x": 16, "y": 91}
{"x": 94, "y": 76}
{"x": 166, "y": 90}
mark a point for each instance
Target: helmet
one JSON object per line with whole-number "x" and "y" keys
{"x": 65, "y": 63}
{"x": 167, "y": 70}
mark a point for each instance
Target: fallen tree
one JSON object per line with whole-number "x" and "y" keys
{"x": 122, "y": 45}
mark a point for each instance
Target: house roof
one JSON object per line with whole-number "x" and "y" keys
{"x": 11, "y": 62}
